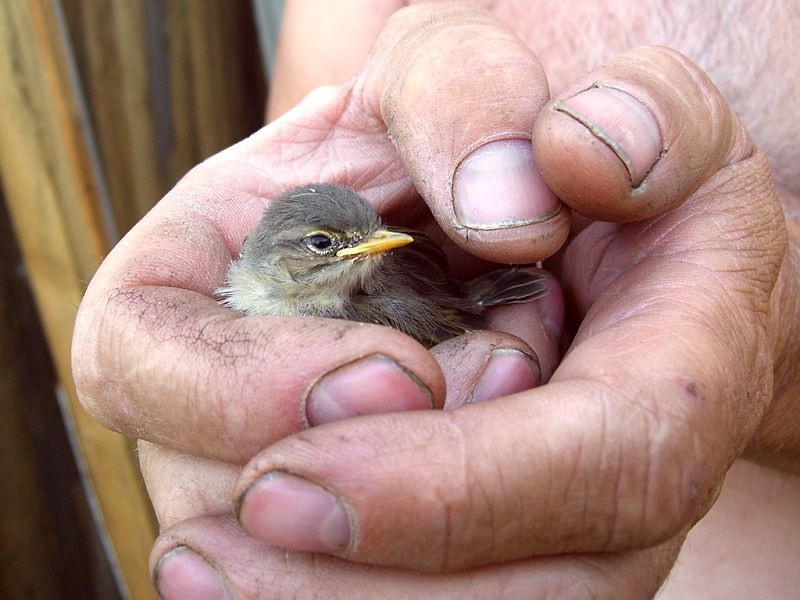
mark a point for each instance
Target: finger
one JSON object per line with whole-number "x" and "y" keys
{"x": 468, "y": 152}
{"x": 538, "y": 323}
{"x": 636, "y": 137}
{"x": 491, "y": 364}
{"x": 478, "y": 367}
{"x": 182, "y": 486}
{"x": 208, "y": 555}
{"x": 224, "y": 374}
{"x": 664, "y": 385}
{"x": 485, "y": 365}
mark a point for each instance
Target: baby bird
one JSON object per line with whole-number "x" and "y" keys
{"x": 322, "y": 251}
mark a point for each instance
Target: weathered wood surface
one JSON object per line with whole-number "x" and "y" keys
{"x": 105, "y": 104}
{"x": 52, "y": 194}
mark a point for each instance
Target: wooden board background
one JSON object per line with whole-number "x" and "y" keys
{"x": 105, "y": 104}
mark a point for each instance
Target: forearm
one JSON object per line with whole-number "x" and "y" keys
{"x": 321, "y": 46}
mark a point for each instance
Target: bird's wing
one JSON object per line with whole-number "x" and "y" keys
{"x": 506, "y": 286}
{"x": 424, "y": 256}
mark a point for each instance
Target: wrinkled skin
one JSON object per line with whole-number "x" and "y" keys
{"x": 685, "y": 291}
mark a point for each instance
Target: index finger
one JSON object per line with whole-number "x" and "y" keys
{"x": 459, "y": 93}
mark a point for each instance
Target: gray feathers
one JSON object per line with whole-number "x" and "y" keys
{"x": 285, "y": 270}
{"x": 320, "y": 206}
{"x": 506, "y": 286}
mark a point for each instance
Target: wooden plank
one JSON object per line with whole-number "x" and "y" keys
{"x": 112, "y": 43}
{"x": 49, "y": 547}
{"x": 169, "y": 84}
{"x": 53, "y": 200}
{"x": 27, "y": 544}
{"x": 216, "y": 81}
{"x": 27, "y": 550}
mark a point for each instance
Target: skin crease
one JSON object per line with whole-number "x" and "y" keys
{"x": 184, "y": 486}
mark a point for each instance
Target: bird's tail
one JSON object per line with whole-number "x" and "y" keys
{"x": 506, "y": 286}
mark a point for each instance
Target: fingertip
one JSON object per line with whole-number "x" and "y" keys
{"x": 622, "y": 123}
{"x": 520, "y": 245}
{"x": 465, "y": 359}
{"x": 497, "y": 186}
{"x": 539, "y": 324}
{"x": 289, "y": 511}
{"x": 595, "y": 149}
{"x": 504, "y": 211}
{"x": 371, "y": 385}
{"x": 508, "y": 371}
{"x": 464, "y": 142}
{"x": 636, "y": 137}
{"x": 183, "y": 573}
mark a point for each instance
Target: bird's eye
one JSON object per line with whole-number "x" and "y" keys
{"x": 318, "y": 242}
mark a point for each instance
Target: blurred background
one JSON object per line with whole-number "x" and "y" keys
{"x": 104, "y": 105}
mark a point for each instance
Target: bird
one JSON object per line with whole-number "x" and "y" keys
{"x": 321, "y": 250}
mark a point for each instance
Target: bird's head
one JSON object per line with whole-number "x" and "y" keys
{"x": 320, "y": 235}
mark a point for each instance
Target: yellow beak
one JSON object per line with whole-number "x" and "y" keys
{"x": 380, "y": 241}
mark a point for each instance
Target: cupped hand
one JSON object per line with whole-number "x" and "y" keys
{"x": 158, "y": 359}
{"x": 669, "y": 378}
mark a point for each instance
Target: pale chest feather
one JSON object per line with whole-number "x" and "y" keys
{"x": 256, "y": 292}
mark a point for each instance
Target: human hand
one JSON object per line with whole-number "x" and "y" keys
{"x": 157, "y": 358}
{"x": 561, "y": 412}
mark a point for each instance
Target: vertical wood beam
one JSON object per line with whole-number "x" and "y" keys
{"x": 112, "y": 42}
{"x": 52, "y": 195}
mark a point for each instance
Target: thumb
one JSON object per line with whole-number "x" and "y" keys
{"x": 636, "y": 137}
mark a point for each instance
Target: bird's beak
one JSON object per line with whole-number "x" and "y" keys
{"x": 380, "y": 241}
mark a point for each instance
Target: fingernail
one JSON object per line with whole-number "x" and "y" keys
{"x": 290, "y": 512}
{"x": 622, "y": 123}
{"x": 508, "y": 371}
{"x": 376, "y": 384}
{"x": 182, "y": 573}
{"x": 498, "y": 186}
